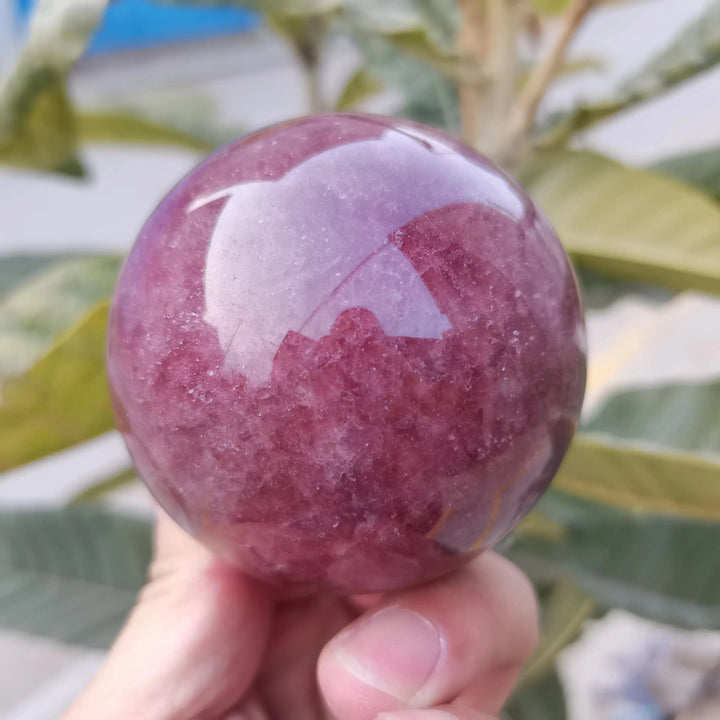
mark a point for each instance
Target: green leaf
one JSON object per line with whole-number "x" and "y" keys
{"x": 44, "y": 137}
{"x": 361, "y": 85}
{"x": 681, "y": 416}
{"x": 701, "y": 169}
{"x": 296, "y": 7}
{"x": 50, "y": 300}
{"x": 438, "y": 107}
{"x": 15, "y": 269}
{"x": 417, "y": 43}
{"x": 632, "y": 223}
{"x": 535, "y": 524}
{"x": 562, "y": 613}
{"x": 599, "y": 291}
{"x": 383, "y": 18}
{"x": 659, "y": 566}
{"x": 643, "y": 478}
{"x": 567, "y": 67}
{"x": 429, "y": 96}
{"x": 694, "y": 50}
{"x": 306, "y": 34}
{"x": 179, "y": 116}
{"x": 550, "y": 7}
{"x": 442, "y": 18}
{"x": 97, "y": 491}
{"x": 37, "y": 123}
{"x": 542, "y": 699}
{"x": 70, "y": 574}
{"x": 52, "y": 356}
{"x": 119, "y": 127}
{"x": 62, "y": 400}
{"x": 412, "y": 26}
{"x": 424, "y": 30}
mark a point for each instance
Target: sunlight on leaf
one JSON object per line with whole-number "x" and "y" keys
{"x": 641, "y": 478}
{"x": 62, "y": 400}
{"x": 536, "y": 524}
{"x": 632, "y": 223}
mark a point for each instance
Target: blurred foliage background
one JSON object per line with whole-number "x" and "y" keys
{"x": 633, "y": 518}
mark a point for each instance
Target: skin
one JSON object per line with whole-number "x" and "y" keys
{"x": 206, "y": 642}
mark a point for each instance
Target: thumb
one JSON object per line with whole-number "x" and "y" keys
{"x": 191, "y": 646}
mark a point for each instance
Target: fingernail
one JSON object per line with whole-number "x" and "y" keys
{"x": 395, "y": 651}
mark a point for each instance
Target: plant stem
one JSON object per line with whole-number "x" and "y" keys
{"x": 503, "y": 22}
{"x": 471, "y": 48}
{"x": 316, "y": 102}
{"x": 306, "y": 36}
{"x": 308, "y": 50}
{"x": 524, "y": 112}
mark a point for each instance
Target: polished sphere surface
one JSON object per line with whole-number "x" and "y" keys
{"x": 347, "y": 353}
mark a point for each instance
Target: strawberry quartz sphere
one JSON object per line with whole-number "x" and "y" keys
{"x": 347, "y": 353}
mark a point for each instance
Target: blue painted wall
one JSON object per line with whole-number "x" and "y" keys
{"x": 130, "y": 24}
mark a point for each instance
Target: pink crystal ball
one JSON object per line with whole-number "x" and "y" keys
{"x": 347, "y": 353}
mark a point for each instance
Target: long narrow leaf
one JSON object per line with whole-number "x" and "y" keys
{"x": 436, "y": 20}
{"x": 563, "y": 614}
{"x": 647, "y": 478}
{"x": 542, "y": 699}
{"x": 37, "y": 123}
{"x": 659, "y": 566}
{"x": 50, "y": 295}
{"x": 701, "y": 169}
{"x": 684, "y": 416}
{"x": 361, "y": 85}
{"x": 70, "y": 574}
{"x": 53, "y": 391}
{"x": 694, "y": 50}
{"x": 632, "y": 223}
{"x": 62, "y": 400}
{"x": 118, "y": 127}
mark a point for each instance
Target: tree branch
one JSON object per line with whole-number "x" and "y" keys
{"x": 502, "y": 22}
{"x": 524, "y": 112}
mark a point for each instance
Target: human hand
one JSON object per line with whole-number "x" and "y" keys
{"x": 206, "y": 642}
